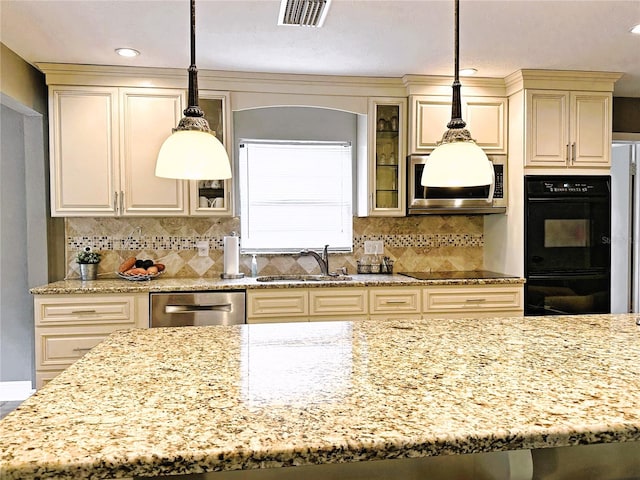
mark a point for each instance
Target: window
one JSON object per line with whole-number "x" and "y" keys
{"x": 295, "y": 195}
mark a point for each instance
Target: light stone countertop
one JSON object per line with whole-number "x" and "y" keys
{"x": 196, "y": 399}
{"x": 162, "y": 284}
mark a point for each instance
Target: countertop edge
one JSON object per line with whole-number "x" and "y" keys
{"x": 116, "y": 285}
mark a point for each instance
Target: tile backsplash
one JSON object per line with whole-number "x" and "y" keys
{"x": 423, "y": 243}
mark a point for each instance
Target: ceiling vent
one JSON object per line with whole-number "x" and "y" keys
{"x": 303, "y": 13}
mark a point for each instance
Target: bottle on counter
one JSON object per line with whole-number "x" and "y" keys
{"x": 254, "y": 266}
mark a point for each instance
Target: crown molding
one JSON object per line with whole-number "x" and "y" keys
{"x": 72, "y": 74}
{"x": 561, "y": 80}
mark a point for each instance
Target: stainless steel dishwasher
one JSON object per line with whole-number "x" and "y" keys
{"x": 187, "y": 309}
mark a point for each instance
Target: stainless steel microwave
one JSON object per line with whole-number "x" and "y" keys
{"x": 462, "y": 201}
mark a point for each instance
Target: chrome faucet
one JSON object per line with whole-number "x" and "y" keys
{"x": 323, "y": 260}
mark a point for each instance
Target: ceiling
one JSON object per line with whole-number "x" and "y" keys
{"x": 386, "y": 38}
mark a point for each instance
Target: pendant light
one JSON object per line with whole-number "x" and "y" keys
{"x": 457, "y": 161}
{"x": 193, "y": 152}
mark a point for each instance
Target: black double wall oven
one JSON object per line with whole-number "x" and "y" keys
{"x": 567, "y": 244}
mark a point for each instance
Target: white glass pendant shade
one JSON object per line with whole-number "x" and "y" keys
{"x": 458, "y": 164}
{"x": 193, "y": 155}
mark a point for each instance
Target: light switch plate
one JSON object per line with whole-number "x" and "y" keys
{"x": 373, "y": 247}
{"x": 203, "y": 248}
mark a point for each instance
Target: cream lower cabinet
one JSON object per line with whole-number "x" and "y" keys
{"x": 383, "y": 303}
{"x": 568, "y": 129}
{"x": 337, "y": 304}
{"x": 395, "y": 303}
{"x": 306, "y": 304}
{"x": 476, "y": 300}
{"x": 277, "y": 305}
{"x": 104, "y": 142}
{"x": 68, "y": 326}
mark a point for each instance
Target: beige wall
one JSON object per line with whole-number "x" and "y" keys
{"x": 21, "y": 81}
{"x": 25, "y": 86}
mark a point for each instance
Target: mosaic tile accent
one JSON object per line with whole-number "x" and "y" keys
{"x": 414, "y": 243}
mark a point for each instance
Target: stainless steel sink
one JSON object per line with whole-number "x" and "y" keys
{"x": 303, "y": 278}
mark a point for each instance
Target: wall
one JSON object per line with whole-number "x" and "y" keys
{"x": 21, "y": 81}
{"x": 421, "y": 243}
{"x": 24, "y": 223}
{"x": 414, "y": 243}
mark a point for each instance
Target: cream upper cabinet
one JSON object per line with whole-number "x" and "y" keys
{"x": 146, "y": 118}
{"x": 84, "y": 150}
{"x": 214, "y": 197}
{"x": 387, "y": 166}
{"x": 567, "y": 129}
{"x": 486, "y": 119}
{"x": 104, "y": 145}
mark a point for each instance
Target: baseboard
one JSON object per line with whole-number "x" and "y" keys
{"x": 15, "y": 391}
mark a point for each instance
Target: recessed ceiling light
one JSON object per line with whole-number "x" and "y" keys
{"x": 467, "y": 72}
{"x": 127, "y": 52}
{"x": 636, "y": 29}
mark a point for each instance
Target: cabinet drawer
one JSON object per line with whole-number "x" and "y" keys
{"x": 394, "y": 300}
{"x": 57, "y": 350}
{"x": 472, "y": 298}
{"x": 339, "y": 301}
{"x": 278, "y": 303}
{"x": 90, "y": 310}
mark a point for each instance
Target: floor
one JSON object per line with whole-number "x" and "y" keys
{"x": 8, "y": 407}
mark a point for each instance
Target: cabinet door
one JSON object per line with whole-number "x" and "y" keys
{"x": 84, "y": 150}
{"x": 398, "y": 301}
{"x": 486, "y": 120}
{"x": 277, "y": 305}
{"x": 214, "y": 197}
{"x": 338, "y": 303}
{"x": 147, "y": 117}
{"x": 68, "y": 326}
{"x": 547, "y": 128}
{"x": 429, "y": 118}
{"x": 590, "y": 129}
{"x": 476, "y": 300}
{"x": 387, "y": 157}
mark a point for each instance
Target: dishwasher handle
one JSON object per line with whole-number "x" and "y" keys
{"x": 222, "y": 307}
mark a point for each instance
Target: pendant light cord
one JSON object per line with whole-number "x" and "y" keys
{"x": 193, "y": 109}
{"x": 456, "y": 121}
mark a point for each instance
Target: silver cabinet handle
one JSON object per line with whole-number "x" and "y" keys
{"x": 224, "y": 307}
{"x": 121, "y": 202}
{"x": 79, "y": 350}
{"x": 568, "y": 153}
{"x": 475, "y": 300}
{"x": 573, "y": 152}
{"x": 398, "y": 302}
{"x": 115, "y": 202}
{"x": 80, "y": 312}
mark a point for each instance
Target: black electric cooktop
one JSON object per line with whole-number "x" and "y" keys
{"x": 454, "y": 275}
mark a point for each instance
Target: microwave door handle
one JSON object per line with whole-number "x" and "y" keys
{"x": 492, "y": 187}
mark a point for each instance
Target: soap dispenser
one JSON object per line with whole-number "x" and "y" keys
{"x": 254, "y": 266}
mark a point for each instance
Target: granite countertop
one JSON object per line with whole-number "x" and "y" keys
{"x": 197, "y": 399}
{"x": 163, "y": 284}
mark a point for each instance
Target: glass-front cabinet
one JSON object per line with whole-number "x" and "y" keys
{"x": 387, "y": 176}
{"x": 213, "y": 197}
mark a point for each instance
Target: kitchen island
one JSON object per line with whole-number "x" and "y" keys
{"x": 153, "y": 402}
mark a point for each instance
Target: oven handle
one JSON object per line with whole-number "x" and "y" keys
{"x": 223, "y": 307}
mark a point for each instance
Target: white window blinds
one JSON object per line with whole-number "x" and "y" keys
{"x": 295, "y": 195}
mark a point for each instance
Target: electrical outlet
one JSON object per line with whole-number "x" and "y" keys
{"x": 373, "y": 247}
{"x": 203, "y": 248}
